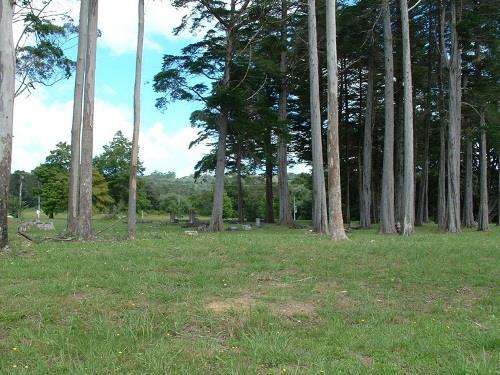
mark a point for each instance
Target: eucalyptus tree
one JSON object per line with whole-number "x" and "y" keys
{"x": 132, "y": 193}
{"x": 409, "y": 172}
{"x": 285, "y": 213}
{"x": 336, "y": 222}
{"x": 7, "y": 90}
{"x": 452, "y": 62}
{"x": 387, "y": 220}
{"x": 76, "y": 125}
{"x": 85, "y": 231}
{"x": 320, "y": 215}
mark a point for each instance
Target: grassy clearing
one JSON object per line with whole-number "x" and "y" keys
{"x": 261, "y": 302}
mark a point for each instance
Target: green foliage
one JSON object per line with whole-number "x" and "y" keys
{"x": 227, "y": 207}
{"x": 41, "y": 49}
{"x": 53, "y": 179}
{"x": 114, "y": 165}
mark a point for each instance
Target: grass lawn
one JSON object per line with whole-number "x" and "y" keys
{"x": 268, "y": 301}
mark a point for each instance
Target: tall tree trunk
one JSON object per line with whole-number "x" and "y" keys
{"x": 483, "y": 216}
{"x": 468, "y": 215}
{"x": 424, "y": 179}
{"x": 76, "y": 126}
{"x": 216, "y": 221}
{"x": 269, "y": 190}
{"x": 320, "y": 218}
{"x": 7, "y": 90}
{"x": 285, "y": 212}
{"x": 409, "y": 173}
{"x": 132, "y": 193}
{"x": 454, "y": 126}
{"x": 241, "y": 214}
{"x": 387, "y": 219}
{"x": 85, "y": 210}
{"x": 345, "y": 97}
{"x": 365, "y": 215}
{"x": 337, "y": 231}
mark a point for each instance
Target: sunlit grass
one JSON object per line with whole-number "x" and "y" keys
{"x": 265, "y": 301}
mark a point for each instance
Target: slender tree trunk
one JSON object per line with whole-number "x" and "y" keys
{"x": 241, "y": 214}
{"x": 441, "y": 210}
{"x": 337, "y": 231}
{"x": 269, "y": 190}
{"x": 347, "y": 155}
{"x": 454, "y": 126}
{"x": 498, "y": 199}
{"x": 424, "y": 180}
{"x": 85, "y": 210}
{"x": 285, "y": 212}
{"x": 483, "y": 217}
{"x": 399, "y": 168}
{"x": 387, "y": 219}
{"x": 76, "y": 126}
{"x": 216, "y": 221}
{"x": 409, "y": 176}
{"x": 7, "y": 90}
{"x": 423, "y": 195}
{"x": 468, "y": 216}
{"x": 132, "y": 193}
{"x": 365, "y": 215}
{"x": 320, "y": 218}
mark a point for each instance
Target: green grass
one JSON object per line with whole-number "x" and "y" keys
{"x": 260, "y": 302}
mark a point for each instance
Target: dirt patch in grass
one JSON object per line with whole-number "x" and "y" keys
{"x": 365, "y": 359}
{"x": 293, "y": 307}
{"x": 240, "y": 304}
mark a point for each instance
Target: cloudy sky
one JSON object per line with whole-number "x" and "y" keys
{"x": 43, "y": 118}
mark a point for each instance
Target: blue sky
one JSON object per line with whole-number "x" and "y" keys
{"x": 43, "y": 118}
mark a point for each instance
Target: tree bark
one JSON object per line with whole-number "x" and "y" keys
{"x": 365, "y": 214}
{"x": 216, "y": 220}
{"x": 285, "y": 212}
{"x": 85, "y": 210}
{"x": 269, "y": 190}
{"x": 132, "y": 193}
{"x": 387, "y": 219}
{"x": 409, "y": 173}
{"x": 76, "y": 126}
{"x": 337, "y": 231}
{"x": 454, "y": 125}
{"x": 7, "y": 90}
{"x": 347, "y": 155}
{"x": 320, "y": 218}
{"x": 483, "y": 217}
{"x": 468, "y": 215}
{"x": 239, "y": 182}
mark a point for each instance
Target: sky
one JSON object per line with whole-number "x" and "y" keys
{"x": 43, "y": 118}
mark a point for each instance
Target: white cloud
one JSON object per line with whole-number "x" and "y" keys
{"x": 118, "y": 23}
{"x": 40, "y": 124}
{"x": 117, "y": 20}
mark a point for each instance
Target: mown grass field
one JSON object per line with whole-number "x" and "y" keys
{"x": 268, "y": 301}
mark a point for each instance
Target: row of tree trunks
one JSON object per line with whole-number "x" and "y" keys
{"x": 7, "y": 91}
{"x": 132, "y": 195}
{"x": 320, "y": 218}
